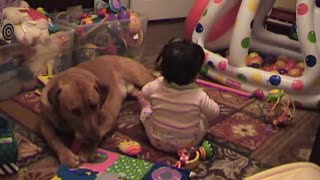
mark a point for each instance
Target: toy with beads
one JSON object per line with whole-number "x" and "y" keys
{"x": 190, "y": 158}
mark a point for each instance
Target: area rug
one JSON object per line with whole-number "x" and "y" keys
{"x": 244, "y": 144}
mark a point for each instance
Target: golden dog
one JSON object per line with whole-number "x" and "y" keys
{"x": 85, "y": 100}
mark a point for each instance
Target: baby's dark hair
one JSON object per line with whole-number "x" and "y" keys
{"x": 180, "y": 61}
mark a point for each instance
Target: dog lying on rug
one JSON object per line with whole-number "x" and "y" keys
{"x": 85, "y": 100}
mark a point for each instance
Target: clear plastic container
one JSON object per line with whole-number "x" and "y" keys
{"x": 20, "y": 65}
{"x": 124, "y": 37}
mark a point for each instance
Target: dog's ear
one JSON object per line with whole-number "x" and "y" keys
{"x": 102, "y": 91}
{"x": 53, "y": 94}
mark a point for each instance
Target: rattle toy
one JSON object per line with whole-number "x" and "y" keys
{"x": 191, "y": 158}
{"x": 131, "y": 148}
{"x": 277, "y": 110}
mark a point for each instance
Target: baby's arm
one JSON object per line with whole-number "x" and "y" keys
{"x": 142, "y": 100}
{"x": 144, "y": 96}
{"x": 209, "y": 108}
{"x": 145, "y": 105}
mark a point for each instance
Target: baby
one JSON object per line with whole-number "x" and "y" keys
{"x": 175, "y": 110}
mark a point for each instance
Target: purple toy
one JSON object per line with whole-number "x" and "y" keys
{"x": 112, "y": 17}
{"x": 124, "y": 14}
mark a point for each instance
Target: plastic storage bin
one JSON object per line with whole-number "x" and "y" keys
{"x": 117, "y": 37}
{"x": 20, "y": 65}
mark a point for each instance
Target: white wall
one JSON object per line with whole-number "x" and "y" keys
{"x": 126, "y": 3}
{"x": 162, "y": 9}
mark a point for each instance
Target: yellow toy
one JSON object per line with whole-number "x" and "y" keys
{"x": 45, "y": 78}
{"x": 131, "y": 148}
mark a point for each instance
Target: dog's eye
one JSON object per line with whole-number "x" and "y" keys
{"x": 76, "y": 111}
{"x": 93, "y": 106}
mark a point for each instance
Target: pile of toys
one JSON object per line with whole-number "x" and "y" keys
{"x": 112, "y": 165}
{"x": 129, "y": 165}
{"x": 109, "y": 29}
{"x": 278, "y": 65}
{"x": 30, "y": 42}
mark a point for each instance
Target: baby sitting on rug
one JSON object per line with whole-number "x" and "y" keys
{"x": 175, "y": 110}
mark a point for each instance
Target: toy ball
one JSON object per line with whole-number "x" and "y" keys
{"x": 255, "y": 62}
{"x": 124, "y": 14}
{"x": 269, "y": 60}
{"x": 258, "y": 93}
{"x": 274, "y": 67}
{"x": 281, "y": 63}
{"x": 288, "y": 68}
{"x": 252, "y": 54}
{"x": 282, "y": 57}
{"x": 291, "y": 63}
{"x": 274, "y": 72}
{"x": 267, "y": 68}
{"x": 131, "y": 148}
{"x": 300, "y": 65}
{"x": 282, "y": 71}
{"x": 295, "y": 72}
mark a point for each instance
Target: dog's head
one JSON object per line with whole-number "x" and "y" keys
{"x": 78, "y": 100}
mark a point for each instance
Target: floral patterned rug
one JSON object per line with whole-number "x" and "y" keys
{"x": 244, "y": 143}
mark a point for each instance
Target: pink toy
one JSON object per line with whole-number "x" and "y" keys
{"x": 224, "y": 88}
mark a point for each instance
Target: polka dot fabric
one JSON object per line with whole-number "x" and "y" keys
{"x": 131, "y": 168}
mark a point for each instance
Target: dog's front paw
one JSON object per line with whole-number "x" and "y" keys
{"x": 68, "y": 158}
{"x": 87, "y": 156}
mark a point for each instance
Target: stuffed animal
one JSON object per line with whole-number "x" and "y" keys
{"x": 4, "y": 4}
{"x": 30, "y": 26}
{"x": 48, "y": 53}
{"x": 6, "y": 28}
